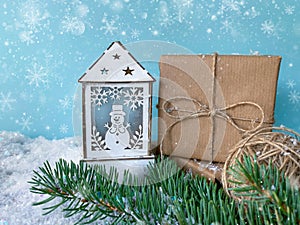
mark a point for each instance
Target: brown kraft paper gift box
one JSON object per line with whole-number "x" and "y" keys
{"x": 209, "y": 102}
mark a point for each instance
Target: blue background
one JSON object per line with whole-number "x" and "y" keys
{"x": 45, "y": 46}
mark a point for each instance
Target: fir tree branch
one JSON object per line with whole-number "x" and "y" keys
{"x": 267, "y": 185}
{"x": 166, "y": 196}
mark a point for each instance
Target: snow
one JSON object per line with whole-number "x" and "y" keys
{"x": 19, "y": 156}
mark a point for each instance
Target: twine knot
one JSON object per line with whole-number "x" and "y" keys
{"x": 202, "y": 110}
{"x": 213, "y": 112}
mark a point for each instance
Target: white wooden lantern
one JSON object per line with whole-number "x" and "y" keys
{"x": 116, "y": 95}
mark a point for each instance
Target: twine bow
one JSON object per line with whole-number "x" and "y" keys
{"x": 203, "y": 110}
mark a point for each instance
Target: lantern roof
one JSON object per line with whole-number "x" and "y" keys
{"x": 116, "y": 64}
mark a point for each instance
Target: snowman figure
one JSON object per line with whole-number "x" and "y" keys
{"x": 117, "y": 136}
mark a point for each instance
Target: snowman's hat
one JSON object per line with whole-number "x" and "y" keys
{"x": 117, "y": 110}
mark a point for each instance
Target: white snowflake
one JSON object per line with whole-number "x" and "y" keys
{"x": 221, "y": 10}
{"x": 289, "y": 10}
{"x": 231, "y": 5}
{"x": 226, "y": 25}
{"x": 294, "y": 97}
{"x": 37, "y": 75}
{"x": 73, "y": 25}
{"x": 134, "y": 98}
{"x": 135, "y": 34}
{"x": 32, "y": 15}
{"x": 99, "y": 96}
{"x": 63, "y": 128}
{"x": 109, "y": 27}
{"x": 290, "y": 84}
{"x": 27, "y": 37}
{"x": 180, "y": 14}
{"x": 65, "y": 103}
{"x": 268, "y": 27}
{"x": 6, "y": 101}
{"x": 25, "y": 122}
{"x": 115, "y": 93}
{"x": 163, "y": 9}
{"x": 181, "y": 9}
{"x": 165, "y": 20}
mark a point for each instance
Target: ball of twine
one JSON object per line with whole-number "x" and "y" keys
{"x": 279, "y": 146}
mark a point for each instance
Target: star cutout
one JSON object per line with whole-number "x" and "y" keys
{"x": 116, "y": 56}
{"x": 128, "y": 71}
{"x": 104, "y": 71}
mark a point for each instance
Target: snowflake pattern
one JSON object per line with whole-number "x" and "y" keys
{"x": 135, "y": 34}
{"x": 32, "y": 19}
{"x": 113, "y": 97}
{"x": 294, "y": 96}
{"x": 63, "y": 128}
{"x": 231, "y": 5}
{"x": 65, "y": 104}
{"x": 37, "y": 75}
{"x": 115, "y": 93}
{"x": 73, "y": 25}
{"x": 6, "y": 101}
{"x": 268, "y": 27}
{"x": 289, "y": 10}
{"x": 181, "y": 11}
{"x": 290, "y": 84}
{"x": 166, "y": 20}
{"x": 27, "y": 37}
{"x": 33, "y": 15}
{"x": 226, "y": 25}
{"x": 25, "y": 122}
{"x": 98, "y": 96}
{"x": 134, "y": 98}
{"x": 109, "y": 27}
